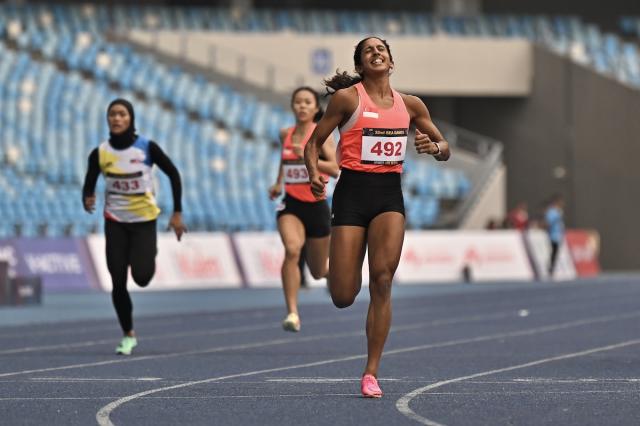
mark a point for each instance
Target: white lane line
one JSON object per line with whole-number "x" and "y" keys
{"x": 403, "y": 403}
{"x": 215, "y": 332}
{"x": 186, "y": 317}
{"x": 94, "y": 379}
{"x": 65, "y": 330}
{"x": 585, "y": 380}
{"x": 543, "y": 392}
{"x": 154, "y": 320}
{"x": 250, "y": 328}
{"x": 257, "y": 344}
{"x": 103, "y": 415}
{"x": 324, "y": 380}
{"x": 293, "y": 395}
{"x": 205, "y": 397}
{"x": 551, "y": 381}
{"x": 58, "y": 346}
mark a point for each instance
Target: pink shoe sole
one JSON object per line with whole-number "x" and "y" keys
{"x": 369, "y": 387}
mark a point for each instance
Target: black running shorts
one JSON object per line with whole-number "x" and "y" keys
{"x": 314, "y": 216}
{"x": 361, "y": 196}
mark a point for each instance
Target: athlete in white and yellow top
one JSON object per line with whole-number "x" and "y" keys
{"x": 126, "y": 161}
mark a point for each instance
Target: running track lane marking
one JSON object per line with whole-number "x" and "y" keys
{"x": 153, "y": 320}
{"x": 263, "y": 344}
{"x": 403, "y": 403}
{"x": 288, "y": 395}
{"x": 213, "y": 316}
{"x": 94, "y": 379}
{"x": 244, "y": 328}
{"x": 249, "y": 328}
{"x": 103, "y": 415}
{"x": 260, "y": 344}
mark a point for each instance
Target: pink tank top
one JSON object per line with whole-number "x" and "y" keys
{"x": 296, "y": 177}
{"x": 375, "y": 139}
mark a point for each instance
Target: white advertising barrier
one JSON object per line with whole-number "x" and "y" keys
{"x": 199, "y": 261}
{"x": 261, "y": 255}
{"x": 441, "y": 257}
{"x": 540, "y": 248}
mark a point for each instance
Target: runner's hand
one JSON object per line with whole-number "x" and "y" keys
{"x": 275, "y": 190}
{"x": 424, "y": 145}
{"x": 318, "y": 184}
{"x": 89, "y": 203}
{"x": 176, "y": 223}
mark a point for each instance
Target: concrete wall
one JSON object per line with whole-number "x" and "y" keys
{"x": 533, "y": 130}
{"x": 606, "y": 148}
{"x": 578, "y": 134}
{"x": 437, "y": 65}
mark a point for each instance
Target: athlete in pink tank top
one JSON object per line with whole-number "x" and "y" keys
{"x": 303, "y": 218}
{"x": 294, "y": 171}
{"x": 368, "y": 210}
{"x": 374, "y": 139}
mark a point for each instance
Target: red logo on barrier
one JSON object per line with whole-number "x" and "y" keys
{"x": 584, "y": 249}
{"x": 410, "y": 256}
{"x": 201, "y": 267}
{"x": 471, "y": 256}
{"x": 271, "y": 263}
{"x": 487, "y": 255}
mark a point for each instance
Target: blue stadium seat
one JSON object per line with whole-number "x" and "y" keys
{"x": 175, "y": 108}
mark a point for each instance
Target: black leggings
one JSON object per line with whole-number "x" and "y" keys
{"x": 129, "y": 244}
{"x": 554, "y": 257}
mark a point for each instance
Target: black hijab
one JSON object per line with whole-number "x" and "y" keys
{"x": 128, "y": 137}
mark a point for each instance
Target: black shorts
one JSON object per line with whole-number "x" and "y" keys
{"x": 361, "y": 196}
{"x": 313, "y": 215}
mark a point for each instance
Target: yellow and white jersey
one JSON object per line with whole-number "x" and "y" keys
{"x": 129, "y": 194}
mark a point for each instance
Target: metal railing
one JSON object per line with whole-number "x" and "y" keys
{"x": 225, "y": 60}
{"x": 486, "y": 155}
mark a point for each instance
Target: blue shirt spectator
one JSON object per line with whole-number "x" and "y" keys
{"x": 555, "y": 224}
{"x": 555, "y": 228}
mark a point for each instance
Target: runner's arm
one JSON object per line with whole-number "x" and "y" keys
{"x": 166, "y": 165}
{"x": 90, "y": 180}
{"x": 429, "y": 140}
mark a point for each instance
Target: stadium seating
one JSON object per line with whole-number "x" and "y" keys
{"x": 58, "y": 73}
{"x": 44, "y": 27}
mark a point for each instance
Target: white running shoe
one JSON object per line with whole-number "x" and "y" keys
{"x": 291, "y": 322}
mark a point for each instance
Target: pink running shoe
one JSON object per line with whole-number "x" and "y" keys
{"x": 369, "y": 387}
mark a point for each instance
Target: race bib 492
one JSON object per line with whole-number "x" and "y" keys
{"x": 383, "y": 146}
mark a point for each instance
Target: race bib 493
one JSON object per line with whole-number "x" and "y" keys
{"x": 295, "y": 173}
{"x": 383, "y": 146}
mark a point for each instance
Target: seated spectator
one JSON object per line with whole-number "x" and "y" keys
{"x": 518, "y": 218}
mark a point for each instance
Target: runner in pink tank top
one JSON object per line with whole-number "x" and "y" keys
{"x": 294, "y": 171}
{"x": 303, "y": 218}
{"x": 368, "y": 208}
{"x": 375, "y": 139}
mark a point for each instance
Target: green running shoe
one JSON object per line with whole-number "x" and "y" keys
{"x": 126, "y": 345}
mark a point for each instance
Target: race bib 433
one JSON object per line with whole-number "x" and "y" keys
{"x": 126, "y": 184}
